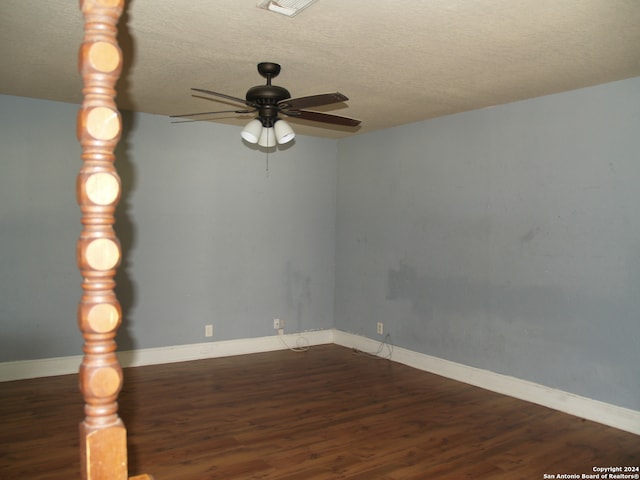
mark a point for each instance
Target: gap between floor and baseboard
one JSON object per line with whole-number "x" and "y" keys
{"x": 595, "y": 410}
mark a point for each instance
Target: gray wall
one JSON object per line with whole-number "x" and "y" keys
{"x": 39, "y": 225}
{"x": 208, "y": 234}
{"x": 506, "y": 239}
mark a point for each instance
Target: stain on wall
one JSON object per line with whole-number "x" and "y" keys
{"x": 509, "y": 242}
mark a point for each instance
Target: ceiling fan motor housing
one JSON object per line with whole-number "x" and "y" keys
{"x": 266, "y": 97}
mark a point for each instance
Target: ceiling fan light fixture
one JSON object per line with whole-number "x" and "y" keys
{"x": 267, "y": 138}
{"x": 284, "y": 132}
{"x": 252, "y": 131}
{"x": 290, "y": 8}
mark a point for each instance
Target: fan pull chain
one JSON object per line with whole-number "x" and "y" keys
{"x": 269, "y": 133}
{"x": 267, "y": 171}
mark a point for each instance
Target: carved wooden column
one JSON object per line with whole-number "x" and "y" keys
{"x": 102, "y": 433}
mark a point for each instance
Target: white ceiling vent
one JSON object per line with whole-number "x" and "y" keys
{"x": 289, "y": 8}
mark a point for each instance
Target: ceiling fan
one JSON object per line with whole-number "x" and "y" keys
{"x": 271, "y": 100}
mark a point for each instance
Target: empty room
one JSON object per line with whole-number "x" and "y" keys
{"x": 319, "y": 239}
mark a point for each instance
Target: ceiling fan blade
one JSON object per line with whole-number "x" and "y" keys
{"x": 313, "y": 101}
{"x": 322, "y": 117}
{"x": 222, "y": 95}
{"x": 211, "y": 113}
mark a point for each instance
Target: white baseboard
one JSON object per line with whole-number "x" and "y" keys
{"x": 224, "y": 348}
{"x": 605, "y": 413}
{"x": 45, "y": 367}
{"x": 48, "y": 367}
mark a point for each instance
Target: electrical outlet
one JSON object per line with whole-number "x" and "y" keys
{"x": 380, "y": 328}
{"x": 208, "y": 330}
{"x": 276, "y": 324}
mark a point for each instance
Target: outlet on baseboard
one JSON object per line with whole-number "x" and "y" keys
{"x": 380, "y": 328}
{"x": 278, "y": 324}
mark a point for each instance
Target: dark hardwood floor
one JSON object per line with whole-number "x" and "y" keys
{"x": 324, "y": 414}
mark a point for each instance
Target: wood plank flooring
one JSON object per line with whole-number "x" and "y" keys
{"x": 324, "y": 414}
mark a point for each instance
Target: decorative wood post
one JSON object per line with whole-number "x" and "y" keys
{"x": 103, "y": 441}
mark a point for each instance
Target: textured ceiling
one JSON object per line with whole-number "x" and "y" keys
{"x": 397, "y": 61}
